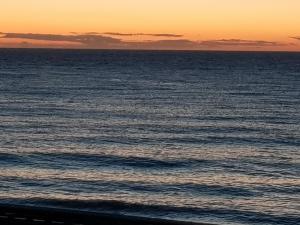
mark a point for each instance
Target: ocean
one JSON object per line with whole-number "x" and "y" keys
{"x": 190, "y": 136}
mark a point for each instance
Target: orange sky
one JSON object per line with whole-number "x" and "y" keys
{"x": 208, "y": 24}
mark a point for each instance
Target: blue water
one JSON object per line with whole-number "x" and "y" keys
{"x": 194, "y": 136}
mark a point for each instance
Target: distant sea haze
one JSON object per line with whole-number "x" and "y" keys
{"x": 193, "y": 136}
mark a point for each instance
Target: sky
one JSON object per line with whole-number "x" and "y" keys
{"x": 250, "y": 25}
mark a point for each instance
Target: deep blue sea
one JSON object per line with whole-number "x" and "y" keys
{"x": 193, "y": 136}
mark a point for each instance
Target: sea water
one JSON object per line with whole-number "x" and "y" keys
{"x": 193, "y": 136}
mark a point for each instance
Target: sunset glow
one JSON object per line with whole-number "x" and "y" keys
{"x": 140, "y": 24}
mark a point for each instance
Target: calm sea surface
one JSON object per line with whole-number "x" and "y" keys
{"x": 205, "y": 137}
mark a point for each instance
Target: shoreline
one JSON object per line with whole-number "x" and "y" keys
{"x": 30, "y": 215}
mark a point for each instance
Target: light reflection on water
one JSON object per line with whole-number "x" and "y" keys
{"x": 195, "y": 136}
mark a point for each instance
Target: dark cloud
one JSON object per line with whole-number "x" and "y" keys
{"x": 167, "y": 44}
{"x": 88, "y": 40}
{"x": 87, "y": 33}
{"x": 119, "y": 34}
{"x": 297, "y": 38}
{"x": 92, "y": 33}
{"x": 143, "y": 34}
{"x": 95, "y": 40}
{"x": 166, "y": 35}
{"x": 239, "y": 43}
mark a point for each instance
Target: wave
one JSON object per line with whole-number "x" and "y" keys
{"x": 162, "y": 211}
{"x": 76, "y": 160}
{"x": 92, "y": 160}
{"x": 142, "y": 187}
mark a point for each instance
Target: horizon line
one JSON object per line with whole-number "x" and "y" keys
{"x": 152, "y": 50}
